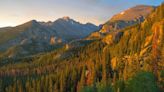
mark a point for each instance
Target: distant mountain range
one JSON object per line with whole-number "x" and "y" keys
{"x": 35, "y": 36}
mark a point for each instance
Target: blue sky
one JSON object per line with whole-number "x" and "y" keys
{"x": 14, "y": 12}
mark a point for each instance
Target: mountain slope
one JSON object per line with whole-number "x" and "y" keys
{"x": 70, "y": 29}
{"x": 133, "y": 13}
{"x": 128, "y": 17}
{"x": 41, "y": 36}
{"x": 126, "y": 60}
{"x": 124, "y": 19}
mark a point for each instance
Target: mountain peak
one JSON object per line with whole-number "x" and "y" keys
{"x": 32, "y": 22}
{"x": 133, "y": 13}
{"x": 127, "y": 17}
{"x": 66, "y": 18}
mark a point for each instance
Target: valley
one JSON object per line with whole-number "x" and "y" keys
{"x": 125, "y": 54}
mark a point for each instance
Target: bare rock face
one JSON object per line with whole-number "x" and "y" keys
{"x": 126, "y": 18}
{"x": 114, "y": 62}
{"x": 108, "y": 39}
{"x": 54, "y": 40}
{"x": 158, "y": 32}
{"x": 112, "y": 38}
{"x": 158, "y": 40}
{"x": 134, "y": 13}
{"x": 146, "y": 46}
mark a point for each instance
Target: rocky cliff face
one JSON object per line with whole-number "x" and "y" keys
{"x": 128, "y": 17}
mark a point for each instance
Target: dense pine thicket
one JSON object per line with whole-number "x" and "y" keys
{"x": 134, "y": 63}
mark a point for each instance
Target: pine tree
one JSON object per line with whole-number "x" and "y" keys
{"x": 82, "y": 82}
{"x": 50, "y": 86}
{"x": 62, "y": 83}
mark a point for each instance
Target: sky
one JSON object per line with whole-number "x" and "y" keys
{"x": 15, "y": 12}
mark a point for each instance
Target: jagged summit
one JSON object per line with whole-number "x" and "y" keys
{"x": 32, "y": 21}
{"x": 66, "y": 18}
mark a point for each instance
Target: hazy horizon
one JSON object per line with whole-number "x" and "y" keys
{"x": 15, "y": 12}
